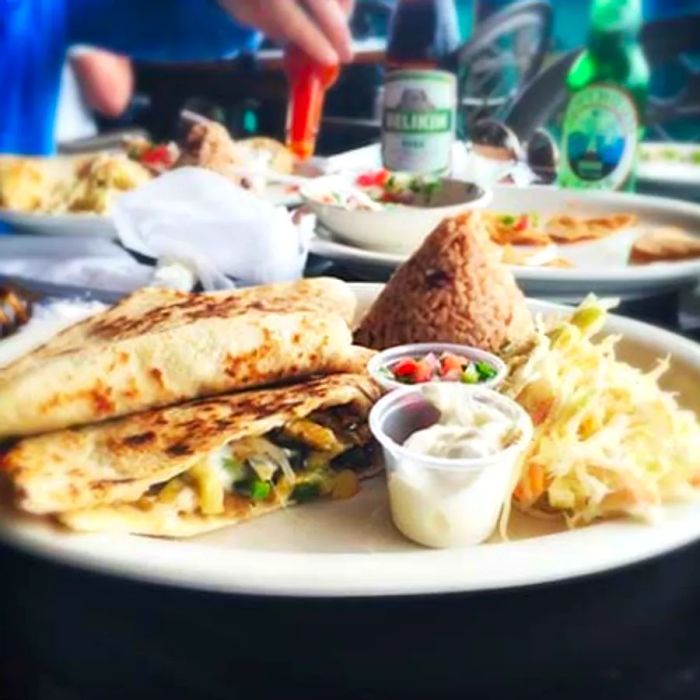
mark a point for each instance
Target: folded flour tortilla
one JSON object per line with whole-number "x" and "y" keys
{"x": 158, "y": 347}
{"x": 212, "y": 462}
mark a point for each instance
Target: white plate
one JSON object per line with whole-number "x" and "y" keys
{"x": 93, "y": 225}
{"x": 655, "y": 169}
{"x": 350, "y": 548}
{"x": 99, "y": 226}
{"x": 600, "y": 265}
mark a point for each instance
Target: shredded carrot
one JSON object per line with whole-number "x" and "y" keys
{"x": 531, "y": 485}
{"x": 536, "y": 477}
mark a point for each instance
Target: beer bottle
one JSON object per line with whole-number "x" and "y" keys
{"x": 608, "y": 87}
{"x": 418, "y": 116}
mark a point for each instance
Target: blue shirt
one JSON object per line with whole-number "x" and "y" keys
{"x": 35, "y": 35}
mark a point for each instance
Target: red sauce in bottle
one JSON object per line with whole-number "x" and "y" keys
{"x": 308, "y": 83}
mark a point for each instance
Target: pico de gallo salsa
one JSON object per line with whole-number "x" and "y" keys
{"x": 446, "y": 367}
{"x": 398, "y": 188}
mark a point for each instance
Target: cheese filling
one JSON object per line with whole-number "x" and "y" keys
{"x": 310, "y": 457}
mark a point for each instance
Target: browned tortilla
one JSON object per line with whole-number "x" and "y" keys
{"x": 117, "y": 461}
{"x": 159, "y": 347}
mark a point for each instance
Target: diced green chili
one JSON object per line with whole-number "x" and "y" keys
{"x": 255, "y": 489}
{"x": 305, "y": 492}
{"x": 485, "y": 370}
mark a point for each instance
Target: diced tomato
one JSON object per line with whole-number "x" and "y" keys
{"x": 375, "y": 178}
{"x": 405, "y": 368}
{"x": 450, "y": 363}
{"x": 522, "y": 223}
{"x": 158, "y": 155}
{"x": 423, "y": 372}
{"x": 383, "y": 177}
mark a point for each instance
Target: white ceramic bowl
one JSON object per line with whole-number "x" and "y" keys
{"x": 392, "y": 355}
{"x": 394, "y": 229}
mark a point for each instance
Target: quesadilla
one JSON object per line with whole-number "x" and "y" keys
{"x": 158, "y": 347}
{"x": 188, "y": 469}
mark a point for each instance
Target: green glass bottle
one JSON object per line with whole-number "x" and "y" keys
{"x": 608, "y": 87}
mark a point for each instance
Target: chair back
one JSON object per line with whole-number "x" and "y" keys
{"x": 505, "y": 52}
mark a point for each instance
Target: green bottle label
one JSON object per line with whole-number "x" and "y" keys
{"x": 601, "y": 130}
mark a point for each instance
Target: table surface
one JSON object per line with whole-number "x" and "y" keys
{"x": 72, "y": 635}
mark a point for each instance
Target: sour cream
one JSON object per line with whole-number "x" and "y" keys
{"x": 448, "y": 482}
{"x": 471, "y": 426}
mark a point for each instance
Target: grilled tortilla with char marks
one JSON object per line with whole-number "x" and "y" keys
{"x": 192, "y": 468}
{"x": 158, "y": 347}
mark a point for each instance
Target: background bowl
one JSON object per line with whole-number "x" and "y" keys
{"x": 394, "y": 229}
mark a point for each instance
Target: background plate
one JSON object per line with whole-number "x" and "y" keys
{"x": 656, "y": 167}
{"x": 350, "y": 548}
{"x": 600, "y": 265}
{"x": 99, "y": 226}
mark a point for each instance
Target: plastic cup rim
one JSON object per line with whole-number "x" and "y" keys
{"x": 446, "y": 463}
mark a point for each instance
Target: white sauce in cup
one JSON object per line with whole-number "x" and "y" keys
{"x": 448, "y": 482}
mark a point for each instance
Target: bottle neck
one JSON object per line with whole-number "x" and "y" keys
{"x": 610, "y": 42}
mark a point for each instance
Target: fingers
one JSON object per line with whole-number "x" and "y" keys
{"x": 318, "y": 27}
{"x": 332, "y": 18}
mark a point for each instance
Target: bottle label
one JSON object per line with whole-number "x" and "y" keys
{"x": 418, "y": 120}
{"x": 601, "y": 131}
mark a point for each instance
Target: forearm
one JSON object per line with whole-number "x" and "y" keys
{"x": 157, "y": 29}
{"x": 106, "y": 81}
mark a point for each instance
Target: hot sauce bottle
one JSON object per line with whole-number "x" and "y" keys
{"x": 308, "y": 83}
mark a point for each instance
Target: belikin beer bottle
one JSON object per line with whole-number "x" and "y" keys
{"x": 419, "y": 105}
{"x": 608, "y": 88}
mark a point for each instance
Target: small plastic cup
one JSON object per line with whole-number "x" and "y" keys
{"x": 440, "y": 502}
{"x": 389, "y": 357}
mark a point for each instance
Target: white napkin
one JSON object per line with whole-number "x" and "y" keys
{"x": 201, "y": 220}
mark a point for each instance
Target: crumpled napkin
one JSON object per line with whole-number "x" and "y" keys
{"x": 200, "y": 220}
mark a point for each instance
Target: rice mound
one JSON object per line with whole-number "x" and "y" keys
{"x": 452, "y": 289}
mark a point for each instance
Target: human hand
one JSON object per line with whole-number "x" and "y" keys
{"x": 318, "y": 27}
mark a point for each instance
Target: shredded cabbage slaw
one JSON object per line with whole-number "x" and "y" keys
{"x": 608, "y": 439}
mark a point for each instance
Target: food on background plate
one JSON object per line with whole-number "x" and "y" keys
{"x": 533, "y": 229}
{"x": 273, "y": 153}
{"x": 665, "y": 244}
{"x": 385, "y": 187}
{"x": 608, "y": 439}
{"x": 208, "y": 144}
{"x": 515, "y": 229}
{"x": 450, "y": 452}
{"x": 452, "y": 289}
{"x": 669, "y": 153}
{"x": 565, "y": 228}
{"x": 98, "y": 180}
{"x": 25, "y": 184}
{"x": 68, "y": 185}
{"x": 155, "y": 157}
{"x": 89, "y": 183}
{"x": 541, "y": 257}
{"x": 196, "y": 467}
{"x": 158, "y": 347}
{"x": 247, "y": 163}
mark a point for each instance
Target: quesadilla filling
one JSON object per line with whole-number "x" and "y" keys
{"x": 320, "y": 455}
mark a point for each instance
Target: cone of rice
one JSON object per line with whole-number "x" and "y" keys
{"x": 452, "y": 289}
